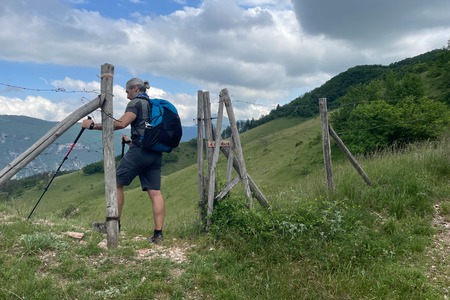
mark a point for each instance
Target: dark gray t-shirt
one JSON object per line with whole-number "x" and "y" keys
{"x": 139, "y": 107}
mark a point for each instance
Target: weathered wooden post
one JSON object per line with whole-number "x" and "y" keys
{"x": 201, "y": 187}
{"x": 208, "y": 127}
{"x": 215, "y": 159}
{"x": 214, "y": 145}
{"x": 112, "y": 228}
{"x": 253, "y": 187}
{"x": 237, "y": 144}
{"x": 349, "y": 155}
{"x": 326, "y": 143}
{"x": 230, "y": 164}
{"x": 209, "y": 136}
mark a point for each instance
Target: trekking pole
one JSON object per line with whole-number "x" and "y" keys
{"x": 54, "y": 175}
{"x": 123, "y": 146}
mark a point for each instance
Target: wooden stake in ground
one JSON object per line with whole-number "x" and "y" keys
{"x": 224, "y": 96}
{"x": 214, "y": 144}
{"x": 201, "y": 188}
{"x": 215, "y": 159}
{"x": 326, "y": 143}
{"x": 112, "y": 228}
{"x": 349, "y": 155}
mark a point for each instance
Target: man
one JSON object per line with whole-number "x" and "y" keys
{"x": 137, "y": 161}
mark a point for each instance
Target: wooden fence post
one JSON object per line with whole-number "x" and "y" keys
{"x": 107, "y": 75}
{"x": 237, "y": 144}
{"x": 215, "y": 159}
{"x": 230, "y": 163}
{"x": 349, "y": 155}
{"x": 209, "y": 151}
{"x": 201, "y": 179}
{"x": 208, "y": 127}
{"x": 253, "y": 187}
{"x": 214, "y": 141}
{"x": 326, "y": 143}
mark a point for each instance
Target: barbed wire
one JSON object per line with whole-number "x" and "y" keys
{"x": 56, "y": 90}
{"x": 256, "y": 104}
{"x": 100, "y": 110}
{"x": 274, "y": 106}
{"x": 63, "y": 90}
{"x": 333, "y": 104}
{"x": 93, "y": 147}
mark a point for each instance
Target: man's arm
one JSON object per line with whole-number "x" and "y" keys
{"x": 121, "y": 123}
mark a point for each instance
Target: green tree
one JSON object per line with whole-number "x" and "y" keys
{"x": 354, "y": 96}
{"x": 170, "y": 157}
{"x": 370, "y": 126}
{"x": 93, "y": 168}
{"x": 421, "y": 119}
{"x": 390, "y": 85}
{"x": 410, "y": 85}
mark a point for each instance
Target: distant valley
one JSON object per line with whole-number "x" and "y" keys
{"x": 18, "y": 133}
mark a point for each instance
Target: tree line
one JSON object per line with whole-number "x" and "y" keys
{"x": 376, "y": 106}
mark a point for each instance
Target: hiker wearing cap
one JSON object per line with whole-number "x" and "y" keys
{"x": 137, "y": 161}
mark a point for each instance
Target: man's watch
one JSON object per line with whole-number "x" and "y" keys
{"x": 92, "y": 125}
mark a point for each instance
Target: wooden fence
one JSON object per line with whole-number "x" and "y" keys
{"x": 327, "y": 130}
{"x": 105, "y": 102}
{"x": 232, "y": 150}
{"x": 208, "y": 137}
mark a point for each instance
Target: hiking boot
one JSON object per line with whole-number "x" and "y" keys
{"x": 99, "y": 227}
{"x": 156, "y": 238}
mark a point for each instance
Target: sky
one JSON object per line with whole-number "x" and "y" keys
{"x": 265, "y": 52}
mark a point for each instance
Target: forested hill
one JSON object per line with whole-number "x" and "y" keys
{"x": 433, "y": 69}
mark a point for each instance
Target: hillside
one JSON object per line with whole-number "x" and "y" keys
{"x": 360, "y": 242}
{"x": 266, "y": 143}
{"x": 18, "y": 133}
{"x": 431, "y": 67}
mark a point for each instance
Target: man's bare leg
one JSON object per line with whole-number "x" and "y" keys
{"x": 158, "y": 208}
{"x": 120, "y": 199}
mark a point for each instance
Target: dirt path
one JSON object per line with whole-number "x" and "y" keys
{"x": 438, "y": 253}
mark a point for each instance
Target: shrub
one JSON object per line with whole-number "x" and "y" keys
{"x": 94, "y": 168}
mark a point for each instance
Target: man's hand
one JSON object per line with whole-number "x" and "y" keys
{"x": 87, "y": 123}
{"x": 125, "y": 139}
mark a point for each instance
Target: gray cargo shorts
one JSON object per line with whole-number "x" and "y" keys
{"x": 145, "y": 164}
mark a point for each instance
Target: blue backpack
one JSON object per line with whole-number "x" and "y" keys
{"x": 163, "y": 132}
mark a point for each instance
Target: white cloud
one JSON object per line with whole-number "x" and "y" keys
{"x": 263, "y": 51}
{"x": 205, "y": 46}
{"x": 57, "y": 110}
{"x": 37, "y": 107}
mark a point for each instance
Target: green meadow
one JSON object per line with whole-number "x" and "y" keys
{"x": 383, "y": 241}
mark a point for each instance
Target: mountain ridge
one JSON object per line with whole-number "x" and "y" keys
{"x": 19, "y": 133}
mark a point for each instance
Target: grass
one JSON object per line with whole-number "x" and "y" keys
{"x": 360, "y": 242}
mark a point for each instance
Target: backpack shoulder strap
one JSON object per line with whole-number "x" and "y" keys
{"x": 149, "y": 106}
